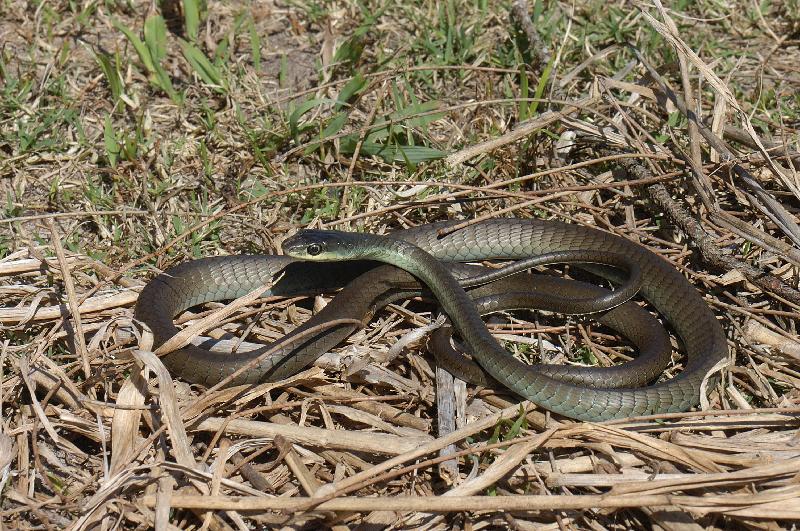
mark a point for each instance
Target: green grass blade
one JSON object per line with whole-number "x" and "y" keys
{"x": 283, "y": 72}
{"x": 294, "y": 117}
{"x": 414, "y": 109}
{"x": 541, "y": 86}
{"x": 112, "y": 75}
{"x": 204, "y": 68}
{"x": 110, "y": 141}
{"x": 351, "y": 88}
{"x": 349, "y": 51}
{"x": 138, "y": 45}
{"x": 524, "y": 106}
{"x": 255, "y": 44}
{"x": 334, "y": 126}
{"x": 191, "y": 19}
{"x": 162, "y": 80}
{"x": 409, "y": 155}
{"x": 155, "y": 36}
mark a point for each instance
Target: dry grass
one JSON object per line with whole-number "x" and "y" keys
{"x": 105, "y": 186}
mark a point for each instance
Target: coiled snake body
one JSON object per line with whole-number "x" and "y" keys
{"x": 229, "y": 277}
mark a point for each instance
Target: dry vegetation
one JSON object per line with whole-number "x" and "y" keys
{"x": 129, "y": 143}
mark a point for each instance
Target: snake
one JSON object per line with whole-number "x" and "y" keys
{"x": 662, "y": 285}
{"x": 228, "y": 277}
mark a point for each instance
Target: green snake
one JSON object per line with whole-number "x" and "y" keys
{"x": 228, "y": 277}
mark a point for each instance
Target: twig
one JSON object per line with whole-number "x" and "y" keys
{"x": 60, "y": 215}
{"x": 741, "y": 504}
{"x": 765, "y": 202}
{"x": 332, "y": 490}
{"x": 701, "y": 181}
{"x": 779, "y": 148}
{"x": 556, "y": 191}
{"x": 379, "y": 443}
{"x": 446, "y": 421}
{"x": 532, "y": 45}
{"x": 759, "y": 237}
{"x": 521, "y": 131}
{"x": 504, "y": 464}
{"x": 723, "y": 91}
{"x": 36, "y": 313}
{"x": 79, "y": 341}
{"x": 704, "y": 242}
{"x": 296, "y": 465}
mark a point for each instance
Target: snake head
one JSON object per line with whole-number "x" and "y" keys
{"x": 322, "y": 246}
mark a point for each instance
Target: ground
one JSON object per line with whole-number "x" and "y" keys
{"x": 138, "y": 135}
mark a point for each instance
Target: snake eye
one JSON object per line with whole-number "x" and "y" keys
{"x": 314, "y": 249}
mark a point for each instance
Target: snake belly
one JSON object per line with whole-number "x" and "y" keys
{"x": 662, "y": 285}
